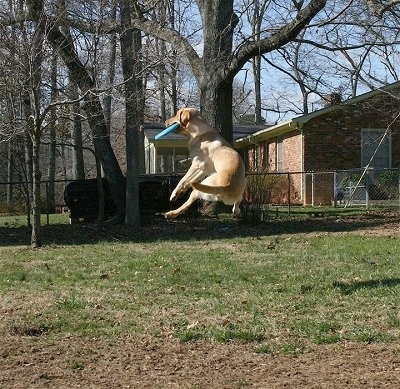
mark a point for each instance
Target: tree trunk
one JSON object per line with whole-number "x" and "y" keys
{"x": 216, "y": 106}
{"x": 51, "y": 170}
{"x": 256, "y": 18}
{"x": 257, "y": 89}
{"x": 161, "y": 52}
{"x": 78, "y": 165}
{"x": 28, "y": 175}
{"x": 34, "y": 121}
{"x": 101, "y": 140}
{"x": 36, "y": 206}
{"x": 10, "y": 173}
{"x": 219, "y": 21}
{"x": 131, "y": 67}
{"x": 107, "y": 101}
{"x": 78, "y": 162}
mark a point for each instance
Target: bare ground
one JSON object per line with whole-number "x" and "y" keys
{"x": 166, "y": 363}
{"x": 40, "y": 362}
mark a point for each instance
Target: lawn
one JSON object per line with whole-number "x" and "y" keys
{"x": 217, "y": 282}
{"x": 280, "y": 292}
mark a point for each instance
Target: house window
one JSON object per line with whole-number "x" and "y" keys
{"x": 257, "y": 157}
{"x": 375, "y": 144}
{"x": 171, "y": 160}
{"x": 264, "y": 155}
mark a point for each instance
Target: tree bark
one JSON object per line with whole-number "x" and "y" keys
{"x": 216, "y": 105}
{"x": 34, "y": 122}
{"x": 36, "y": 192}
{"x": 134, "y": 104}
{"x": 107, "y": 101}
{"x": 51, "y": 169}
{"x": 78, "y": 164}
{"x": 10, "y": 173}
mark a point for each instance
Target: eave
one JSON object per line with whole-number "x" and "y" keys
{"x": 298, "y": 122}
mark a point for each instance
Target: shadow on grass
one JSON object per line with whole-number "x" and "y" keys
{"x": 200, "y": 228}
{"x": 347, "y": 288}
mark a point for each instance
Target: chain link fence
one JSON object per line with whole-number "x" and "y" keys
{"x": 342, "y": 188}
{"x": 356, "y": 187}
{"x": 15, "y": 197}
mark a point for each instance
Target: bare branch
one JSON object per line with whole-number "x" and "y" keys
{"x": 378, "y": 8}
{"x": 284, "y": 35}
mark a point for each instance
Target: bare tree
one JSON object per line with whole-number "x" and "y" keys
{"x": 134, "y": 104}
{"x": 35, "y": 118}
{"x": 346, "y": 51}
{"x": 219, "y": 64}
{"x": 78, "y": 168}
{"x": 51, "y": 170}
{"x": 95, "y": 116}
{"x": 107, "y": 101}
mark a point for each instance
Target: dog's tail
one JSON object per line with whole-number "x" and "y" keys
{"x": 215, "y": 190}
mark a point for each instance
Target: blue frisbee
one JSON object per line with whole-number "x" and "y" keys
{"x": 167, "y": 131}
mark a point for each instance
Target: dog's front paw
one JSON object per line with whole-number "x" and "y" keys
{"x": 170, "y": 215}
{"x": 177, "y": 192}
{"x": 173, "y": 197}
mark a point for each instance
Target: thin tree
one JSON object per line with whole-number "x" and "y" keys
{"x": 131, "y": 65}
{"x": 51, "y": 170}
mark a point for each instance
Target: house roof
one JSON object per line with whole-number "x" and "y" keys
{"x": 242, "y": 130}
{"x": 299, "y": 121}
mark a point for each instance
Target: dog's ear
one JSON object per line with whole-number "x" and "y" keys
{"x": 184, "y": 117}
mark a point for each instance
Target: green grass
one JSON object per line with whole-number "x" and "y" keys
{"x": 282, "y": 293}
{"x": 21, "y": 220}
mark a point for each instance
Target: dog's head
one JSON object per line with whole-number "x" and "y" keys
{"x": 185, "y": 117}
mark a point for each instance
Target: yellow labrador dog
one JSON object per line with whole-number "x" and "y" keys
{"x": 214, "y": 162}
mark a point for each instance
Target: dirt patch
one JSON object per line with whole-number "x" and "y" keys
{"x": 28, "y": 362}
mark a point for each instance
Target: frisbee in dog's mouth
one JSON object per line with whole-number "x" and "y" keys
{"x": 168, "y": 130}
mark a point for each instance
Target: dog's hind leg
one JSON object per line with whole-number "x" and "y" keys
{"x": 176, "y": 212}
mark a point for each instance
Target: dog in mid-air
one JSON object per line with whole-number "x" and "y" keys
{"x": 217, "y": 171}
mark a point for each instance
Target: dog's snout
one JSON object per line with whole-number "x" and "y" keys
{"x": 172, "y": 120}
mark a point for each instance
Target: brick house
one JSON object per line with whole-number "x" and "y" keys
{"x": 342, "y": 135}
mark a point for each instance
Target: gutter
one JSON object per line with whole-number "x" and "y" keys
{"x": 267, "y": 133}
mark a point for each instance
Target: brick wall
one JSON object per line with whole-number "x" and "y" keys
{"x": 333, "y": 141}
{"x": 292, "y": 150}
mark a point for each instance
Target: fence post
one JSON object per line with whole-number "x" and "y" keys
{"x": 312, "y": 190}
{"x": 289, "y": 194}
{"x": 47, "y": 203}
{"x": 335, "y": 194}
{"x": 398, "y": 181}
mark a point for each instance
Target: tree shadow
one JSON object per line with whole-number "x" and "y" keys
{"x": 347, "y": 288}
{"x": 157, "y": 228}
